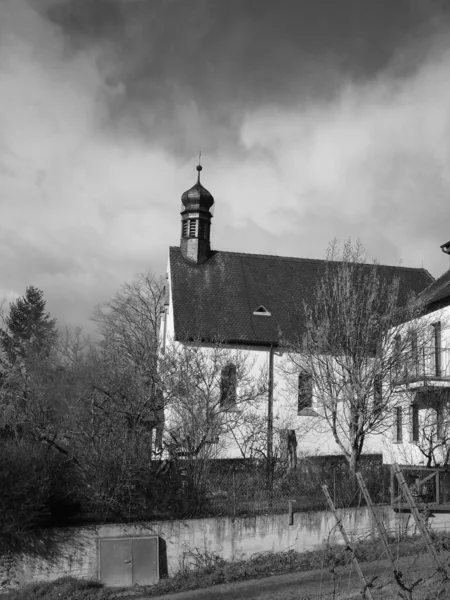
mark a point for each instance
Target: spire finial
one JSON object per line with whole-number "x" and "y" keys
{"x": 199, "y": 166}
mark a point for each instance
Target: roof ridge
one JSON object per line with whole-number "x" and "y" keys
{"x": 440, "y": 277}
{"x": 436, "y": 282}
{"x": 316, "y": 260}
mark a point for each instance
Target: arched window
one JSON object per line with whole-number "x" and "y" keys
{"x": 305, "y": 389}
{"x": 228, "y": 385}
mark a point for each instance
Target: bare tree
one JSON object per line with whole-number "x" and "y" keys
{"x": 209, "y": 391}
{"x": 355, "y": 347}
{"x": 125, "y": 364}
{"x": 429, "y": 428}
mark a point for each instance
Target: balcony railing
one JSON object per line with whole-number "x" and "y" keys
{"x": 424, "y": 363}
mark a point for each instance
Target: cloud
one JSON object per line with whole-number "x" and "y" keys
{"x": 81, "y": 207}
{"x": 101, "y": 120}
{"x": 372, "y": 162}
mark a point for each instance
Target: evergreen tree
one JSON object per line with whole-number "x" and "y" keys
{"x": 30, "y": 330}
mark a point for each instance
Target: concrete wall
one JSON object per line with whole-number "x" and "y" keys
{"x": 231, "y": 539}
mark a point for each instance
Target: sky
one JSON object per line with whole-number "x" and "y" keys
{"x": 316, "y": 119}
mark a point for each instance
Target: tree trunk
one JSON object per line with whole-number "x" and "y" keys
{"x": 353, "y": 463}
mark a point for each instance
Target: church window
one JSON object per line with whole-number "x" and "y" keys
{"x": 305, "y": 389}
{"x": 192, "y": 228}
{"x": 228, "y": 385}
{"x": 185, "y": 229}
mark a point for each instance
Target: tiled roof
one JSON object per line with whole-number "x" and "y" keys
{"x": 216, "y": 299}
{"x": 438, "y": 293}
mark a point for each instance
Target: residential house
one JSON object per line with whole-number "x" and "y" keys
{"x": 253, "y": 303}
{"x": 421, "y": 426}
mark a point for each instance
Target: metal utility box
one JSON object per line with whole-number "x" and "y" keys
{"x": 129, "y": 561}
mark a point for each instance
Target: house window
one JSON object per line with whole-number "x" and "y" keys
{"x": 439, "y": 423}
{"x": 414, "y": 347}
{"x": 437, "y": 331}
{"x": 414, "y": 423}
{"x": 397, "y": 350}
{"x": 192, "y": 227}
{"x": 305, "y": 389}
{"x": 398, "y": 424}
{"x": 228, "y": 385}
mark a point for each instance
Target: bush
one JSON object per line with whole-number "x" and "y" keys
{"x": 32, "y": 488}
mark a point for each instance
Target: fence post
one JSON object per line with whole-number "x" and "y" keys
{"x": 382, "y": 531}
{"x": 422, "y": 527}
{"x": 234, "y": 493}
{"x": 291, "y": 511}
{"x": 366, "y": 592}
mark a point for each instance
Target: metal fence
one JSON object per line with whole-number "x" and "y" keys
{"x": 423, "y": 363}
{"x": 245, "y": 488}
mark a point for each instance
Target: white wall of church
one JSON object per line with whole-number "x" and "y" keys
{"x": 312, "y": 434}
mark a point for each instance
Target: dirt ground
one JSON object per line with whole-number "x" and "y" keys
{"x": 315, "y": 585}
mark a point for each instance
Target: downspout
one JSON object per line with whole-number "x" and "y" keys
{"x": 270, "y": 426}
{"x": 163, "y": 349}
{"x": 166, "y": 310}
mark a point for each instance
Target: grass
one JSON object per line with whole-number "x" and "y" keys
{"x": 210, "y": 570}
{"x": 66, "y": 588}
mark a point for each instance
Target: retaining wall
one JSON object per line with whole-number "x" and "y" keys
{"x": 227, "y": 537}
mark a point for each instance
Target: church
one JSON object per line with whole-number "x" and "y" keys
{"x": 251, "y": 303}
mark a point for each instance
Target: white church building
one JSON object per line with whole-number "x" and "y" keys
{"x": 252, "y": 303}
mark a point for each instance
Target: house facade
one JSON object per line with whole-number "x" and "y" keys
{"x": 421, "y": 422}
{"x": 252, "y": 305}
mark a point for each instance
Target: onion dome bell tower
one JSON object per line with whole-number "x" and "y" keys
{"x": 196, "y": 214}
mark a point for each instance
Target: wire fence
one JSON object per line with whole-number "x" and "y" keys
{"x": 246, "y": 488}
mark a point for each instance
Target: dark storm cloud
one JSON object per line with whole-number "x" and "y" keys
{"x": 315, "y": 119}
{"x": 191, "y": 66}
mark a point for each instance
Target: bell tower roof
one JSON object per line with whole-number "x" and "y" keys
{"x": 197, "y": 197}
